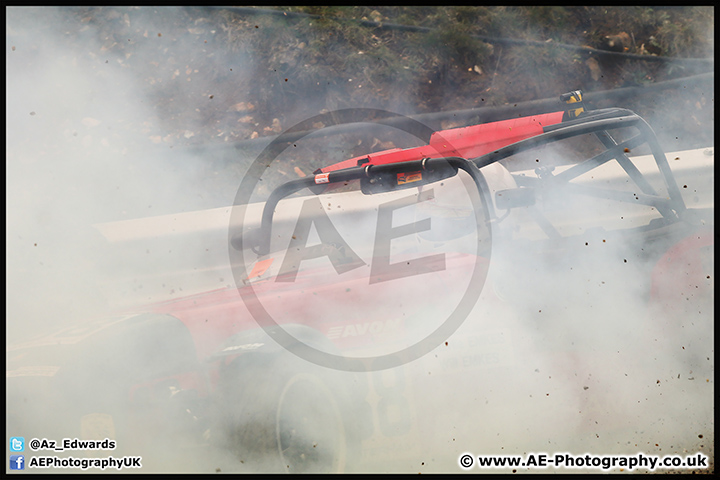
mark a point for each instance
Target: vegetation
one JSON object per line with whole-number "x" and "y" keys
{"x": 335, "y": 57}
{"x": 268, "y": 68}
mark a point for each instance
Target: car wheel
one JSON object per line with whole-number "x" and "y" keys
{"x": 278, "y": 418}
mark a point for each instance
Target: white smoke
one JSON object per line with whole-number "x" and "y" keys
{"x": 560, "y": 354}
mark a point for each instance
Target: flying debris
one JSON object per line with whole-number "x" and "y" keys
{"x": 467, "y": 294}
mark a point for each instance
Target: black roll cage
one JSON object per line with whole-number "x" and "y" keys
{"x": 597, "y": 122}
{"x": 371, "y": 173}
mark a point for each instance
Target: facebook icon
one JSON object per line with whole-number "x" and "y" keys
{"x": 17, "y": 462}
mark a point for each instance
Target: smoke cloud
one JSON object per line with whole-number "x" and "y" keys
{"x": 119, "y": 193}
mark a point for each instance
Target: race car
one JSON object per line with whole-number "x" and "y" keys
{"x": 342, "y": 281}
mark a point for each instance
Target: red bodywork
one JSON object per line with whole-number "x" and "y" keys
{"x": 684, "y": 272}
{"x": 466, "y": 142}
{"x": 214, "y": 316}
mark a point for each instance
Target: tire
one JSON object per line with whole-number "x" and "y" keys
{"x": 279, "y": 417}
